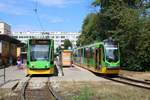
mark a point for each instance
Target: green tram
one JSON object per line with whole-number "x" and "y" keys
{"x": 40, "y": 56}
{"x": 102, "y": 57}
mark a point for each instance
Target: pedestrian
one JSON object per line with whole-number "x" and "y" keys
{"x": 18, "y": 62}
{"x": 59, "y": 65}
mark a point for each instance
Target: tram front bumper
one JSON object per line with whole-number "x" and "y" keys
{"x": 40, "y": 71}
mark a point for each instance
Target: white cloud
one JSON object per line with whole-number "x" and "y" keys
{"x": 52, "y": 2}
{"x": 25, "y": 7}
{"x": 24, "y": 28}
{"x": 59, "y": 20}
{"x": 13, "y": 8}
{"x": 43, "y": 18}
{"x": 58, "y": 3}
{"x": 51, "y": 19}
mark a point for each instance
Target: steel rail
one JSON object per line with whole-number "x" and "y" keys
{"x": 22, "y": 97}
{"x": 50, "y": 89}
{"x": 128, "y": 81}
{"x": 135, "y": 80}
{"x": 55, "y": 95}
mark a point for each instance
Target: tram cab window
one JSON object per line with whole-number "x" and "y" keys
{"x": 39, "y": 52}
{"x": 112, "y": 54}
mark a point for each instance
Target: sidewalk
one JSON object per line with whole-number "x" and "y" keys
{"x": 12, "y": 74}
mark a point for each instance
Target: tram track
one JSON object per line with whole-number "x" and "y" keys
{"x": 45, "y": 93}
{"x": 129, "y": 81}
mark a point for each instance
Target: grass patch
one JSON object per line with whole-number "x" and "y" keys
{"x": 101, "y": 91}
{"x": 85, "y": 94}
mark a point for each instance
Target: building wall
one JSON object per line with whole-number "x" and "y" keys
{"x": 58, "y": 37}
{"x": 9, "y": 50}
{"x": 5, "y": 28}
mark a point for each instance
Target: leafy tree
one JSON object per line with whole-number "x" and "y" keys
{"x": 127, "y": 21}
{"x": 58, "y": 49}
{"x": 90, "y": 30}
{"x": 67, "y": 44}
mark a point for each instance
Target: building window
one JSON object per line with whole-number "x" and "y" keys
{"x": 62, "y": 36}
{"x": 62, "y": 40}
{"x": 15, "y": 36}
{"x": 25, "y": 36}
{"x": 47, "y": 37}
{"x": 20, "y": 36}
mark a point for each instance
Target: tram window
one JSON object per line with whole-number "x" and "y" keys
{"x": 91, "y": 52}
{"x": 84, "y": 52}
{"x": 95, "y": 54}
{"x": 99, "y": 55}
{"x": 103, "y": 53}
{"x": 79, "y": 52}
{"x": 88, "y": 52}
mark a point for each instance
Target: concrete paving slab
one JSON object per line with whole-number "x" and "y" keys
{"x": 9, "y": 86}
{"x": 12, "y": 73}
{"x": 38, "y": 82}
{"x": 77, "y": 74}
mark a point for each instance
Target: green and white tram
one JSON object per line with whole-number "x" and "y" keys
{"x": 102, "y": 57}
{"x": 40, "y": 56}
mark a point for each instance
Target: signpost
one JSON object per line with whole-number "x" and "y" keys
{"x": 4, "y": 75}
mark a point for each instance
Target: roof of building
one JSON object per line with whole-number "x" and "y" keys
{"x": 10, "y": 39}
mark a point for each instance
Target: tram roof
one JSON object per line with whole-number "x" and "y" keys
{"x": 91, "y": 45}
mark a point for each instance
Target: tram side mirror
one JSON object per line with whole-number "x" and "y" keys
{"x": 27, "y": 62}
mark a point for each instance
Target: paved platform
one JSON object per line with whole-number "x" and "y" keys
{"x": 12, "y": 76}
{"x": 77, "y": 74}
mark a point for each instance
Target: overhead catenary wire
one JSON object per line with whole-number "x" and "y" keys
{"x": 37, "y": 15}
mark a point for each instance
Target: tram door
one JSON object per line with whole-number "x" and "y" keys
{"x": 97, "y": 57}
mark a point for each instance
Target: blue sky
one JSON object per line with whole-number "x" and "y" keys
{"x": 55, "y": 15}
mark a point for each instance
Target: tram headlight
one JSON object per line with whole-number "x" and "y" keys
{"x": 32, "y": 65}
{"x": 46, "y": 65}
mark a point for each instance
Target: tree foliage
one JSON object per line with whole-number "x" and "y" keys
{"x": 58, "y": 50}
{"x": 67, "y": 44}
{"x": 127, "y": 21}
